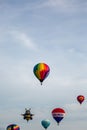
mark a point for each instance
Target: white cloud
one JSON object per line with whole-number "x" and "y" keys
{"x": 66, "y": 5}
{"x": 13, "y": 72}
{"x": 57, "y": 3}
{"x": 73, "y": 107}
{"x": 23, "y": 39}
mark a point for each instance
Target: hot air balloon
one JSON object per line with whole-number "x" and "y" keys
{"x": 13, "y": 127}
{"x": 45, "y": 123}
{"x": 58, "y": 114}
{"x": 80, "y": 98}
{"x": 41, "y": 71}
{"x": 27, "y": 115}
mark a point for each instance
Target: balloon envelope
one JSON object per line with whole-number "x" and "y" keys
{"x": 13, "y": 127}
{"x": 41, "y": 71}
{"x": 27, "y": 115}
{"x": 45, "y": 123}
{"x": 80, "y": 98}
{"x": 58, "y": 114}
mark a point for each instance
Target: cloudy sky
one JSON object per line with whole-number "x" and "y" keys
{"x": 49, "y": 31}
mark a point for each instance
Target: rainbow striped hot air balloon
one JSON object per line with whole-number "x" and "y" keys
{"x": 13, "y": 127}
{"x": 41, "y": 71}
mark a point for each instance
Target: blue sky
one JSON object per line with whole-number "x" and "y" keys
{"x": 50, "y": 31}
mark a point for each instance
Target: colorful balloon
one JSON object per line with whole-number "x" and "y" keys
{"x": 41, "y": 71}
{"x": 58, "y": 114}
{"x": 45, "y": 123}
{"x": 13, "y": 127}
{"x": 80, "y": 98}
{"x": 27, "y": 115}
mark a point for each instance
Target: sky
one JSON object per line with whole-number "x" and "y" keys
{"x": 49, "y": 31}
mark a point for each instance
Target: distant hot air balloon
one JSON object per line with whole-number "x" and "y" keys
{"x": 13, "y": 127}
{"x": 45, "y": 123}
{"x": 27, "y": 115}
{"x": 80, "y": 98}
{"x": 41, "y": 71}
{"x": 58, "y": 114}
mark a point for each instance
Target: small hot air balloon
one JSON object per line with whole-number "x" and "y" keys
{"x": 27, "y": 115}
{"x": 41, "y": 71}
{"x": 80, "y": 98}
{"x": 58, "y": 114}
{"x": 45, "y": 123}
{"x": 13, "y": 127}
